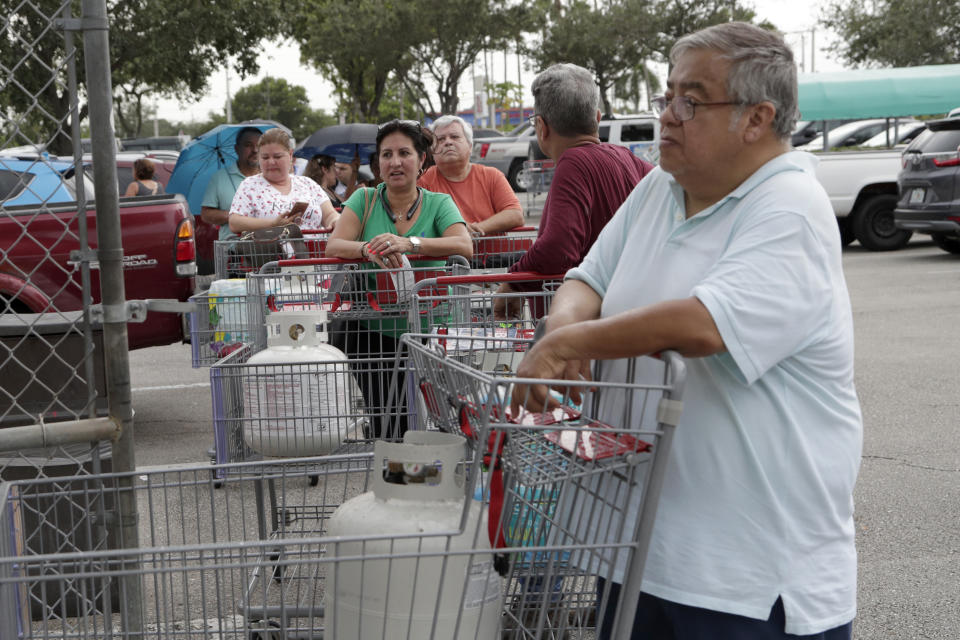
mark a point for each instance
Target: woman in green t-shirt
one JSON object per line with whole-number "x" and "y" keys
{"x": 404, "y": 218}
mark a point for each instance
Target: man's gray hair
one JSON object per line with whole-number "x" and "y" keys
{"x": 443, "y": 121}
{"x": 567, "y": 98}
{"x": 762, "y": 68}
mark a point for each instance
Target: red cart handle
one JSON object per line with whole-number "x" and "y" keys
{"x": 306, "y": 262}
{"x": 492, "y": 278}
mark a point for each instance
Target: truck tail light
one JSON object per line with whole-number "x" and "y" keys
{"x": 483, "y": 149}
{"x": 185, "y": 250}
{"x": 947, "y": 162}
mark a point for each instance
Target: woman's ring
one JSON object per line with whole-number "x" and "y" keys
{"x": 388, "y": 243}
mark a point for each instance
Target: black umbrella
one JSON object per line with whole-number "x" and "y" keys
{"x": 342, "y": 141}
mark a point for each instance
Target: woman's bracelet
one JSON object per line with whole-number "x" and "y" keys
{"x": 363, "y": 248}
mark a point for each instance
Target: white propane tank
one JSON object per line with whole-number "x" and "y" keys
{"x": 388, "y": 597}
{"x": 299, "y": 401}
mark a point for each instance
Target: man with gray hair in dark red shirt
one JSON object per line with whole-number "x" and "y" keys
{"x": 590, "y": 182}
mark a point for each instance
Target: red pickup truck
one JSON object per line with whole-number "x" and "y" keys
{"x": 38, "y": 273}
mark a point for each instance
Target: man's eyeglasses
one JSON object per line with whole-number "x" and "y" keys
{"x": 533, "y": 119}
{"x": 684, "y": 108}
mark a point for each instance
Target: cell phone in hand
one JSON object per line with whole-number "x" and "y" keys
{"x": 298, "y": 210}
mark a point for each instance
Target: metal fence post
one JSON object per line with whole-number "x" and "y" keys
{"x": 110, "y": 254}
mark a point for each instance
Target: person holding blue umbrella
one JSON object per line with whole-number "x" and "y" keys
{"x": 224, "y": 182}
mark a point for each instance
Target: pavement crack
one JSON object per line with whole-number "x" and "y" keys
{"x": 907, "y": 463}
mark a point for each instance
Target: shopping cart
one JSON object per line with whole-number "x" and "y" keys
{"x": 455, "y": 307}
{"x": 236, "y": 258}
{"x": 501, "y": 250}
{"x": 271, "y": 556}
{"x": 572, "y": 495}
{"x": 536, "y": 177}
{"x": 308, "y": 401}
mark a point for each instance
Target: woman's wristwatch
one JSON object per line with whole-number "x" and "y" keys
{"x": 415, "y": 241}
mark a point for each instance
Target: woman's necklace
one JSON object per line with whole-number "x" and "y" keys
{"x": 410, "y": 211}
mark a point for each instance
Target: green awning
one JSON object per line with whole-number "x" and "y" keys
{"x": 879, "y": 93}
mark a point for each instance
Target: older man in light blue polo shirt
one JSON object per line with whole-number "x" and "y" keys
{"x": 729, "y": 253}
{"x": 223, "y": 184}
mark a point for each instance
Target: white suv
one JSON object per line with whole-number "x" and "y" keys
{"x": 640, "y": 133}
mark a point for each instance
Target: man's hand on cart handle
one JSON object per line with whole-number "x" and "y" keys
{"x": 548, "y": 359}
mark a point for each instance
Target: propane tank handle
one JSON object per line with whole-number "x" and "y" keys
{"x": 429, "y": 447}
{"x": 296, "y": 328}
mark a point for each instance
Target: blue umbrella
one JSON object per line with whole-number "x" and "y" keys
{"x": 203, "y": 156}
{"x": 342, "y": 141}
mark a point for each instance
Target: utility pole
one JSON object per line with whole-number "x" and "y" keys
{"x": 813, "y": 49}
{"x": 229, "y": 101}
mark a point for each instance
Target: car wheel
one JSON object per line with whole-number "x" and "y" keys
{"x": 948, "y": 244}
{"x": 515, "y": 168}
{"x": 846, "y": 231}
{"x": 874, "y": 226}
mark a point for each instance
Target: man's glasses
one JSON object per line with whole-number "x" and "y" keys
{"x": 684, "y": 108}
{"x": 533, "y": 119}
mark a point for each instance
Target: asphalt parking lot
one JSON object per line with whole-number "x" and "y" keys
{"x": 906, "y": 306}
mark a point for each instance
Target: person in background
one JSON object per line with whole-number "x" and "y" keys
{"x": 403, "y": 219}
{"x": 590, "y": 181}
{"x": 143, "y": 183}
{"x": 482, "y": 194}
{"x": 347, "y": 178}
{"x": 322, "y": 170}
{"x": 375, "y": 170}
{"x": 215, "y": 208}
{"x": 729, "y": 253}
{"x": 268, "y": 199}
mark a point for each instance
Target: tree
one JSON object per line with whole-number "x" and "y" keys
{"x": 617, "y": 39}
{"x": 156, "y": 47}
{"x": 894, "y": 33}
{"x": 611, "y": 41}
{"x": 680, "y": 17}
{"x": 276, "y": 99}
{"x": 357, "y": 45}
{"x": 452, "y": 35}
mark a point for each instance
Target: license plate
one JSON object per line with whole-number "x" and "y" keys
{"x": 917, "y": 195}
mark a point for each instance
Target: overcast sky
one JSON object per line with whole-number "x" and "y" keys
{"x": 794, "y": 17}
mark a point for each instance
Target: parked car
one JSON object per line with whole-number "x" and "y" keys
{"x": 852, "y": 134}
{"x": 639, "y": 132}
{"x": 487, "y": 133}
{"x": 929, "y": 185}
{"x": 154, "y": 143}
{"x": 900, "y": 134}
{"x": 37, "y": 180}
{"x": 506, "y": 153}
{"x": 807, "y": 130}
{"x": 38, "y": 272}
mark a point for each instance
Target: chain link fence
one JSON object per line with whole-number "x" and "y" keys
{"x": 65, "y": 393}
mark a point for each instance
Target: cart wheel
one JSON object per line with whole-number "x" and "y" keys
{"x": 264, "y": 634}
{"x": 314, "y": 480}
{"x": 277, "y": 567}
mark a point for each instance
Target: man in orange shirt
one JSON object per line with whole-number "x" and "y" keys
{"x": 482, "y": 194}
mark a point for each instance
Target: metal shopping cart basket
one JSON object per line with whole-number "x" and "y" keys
{"x": 573, "y": 490}
{"x": 236, "y": 258}
{"x": 468, "y": 306}
{"x": 501, "y": 250}
{"x": 299, "y": 396}
{"x": 270, "y": 556}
